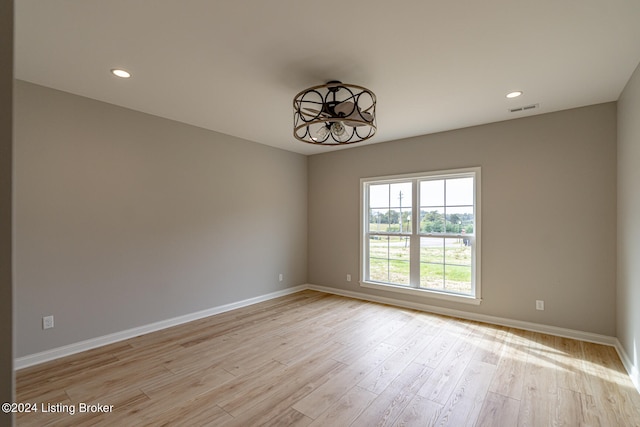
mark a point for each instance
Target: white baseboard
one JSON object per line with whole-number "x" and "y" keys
{"x": 67, "y": 350}
{"x": 628, "y": 365}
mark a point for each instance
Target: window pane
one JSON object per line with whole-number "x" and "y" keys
{"x": 400, "y": 195}
{"x": 378, "y": 220}
{"x": 432, "y": 220}
{"x": 432, "y": 262}
{"x": 399, "y": 272}
{"x": 379, "y": 258}
{"x": 394, "y": 221}
{"x": 399, "y": 248}
{"x": 431, "y": 276}
{"x": 379, "y": 196}
{"x": 389, "y": 260}
{"x": 459, "y": 191}
{"x": 457, "y": 279}
{"x": 390, "y": 221}
{"x": 459, "y": 219}
{"x": 379, "y": 247}
{"x": 458, "y": 251}
{"x": 378, "y": 270}
{"x": 406, "y": 223}
{"x": 432, "y": 193}
{"x": 432, "y": 250}
{"x": 399, "y": 264}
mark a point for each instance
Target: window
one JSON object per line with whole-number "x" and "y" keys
{"x": 420, "y": 234}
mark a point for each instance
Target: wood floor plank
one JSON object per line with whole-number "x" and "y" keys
{"x": 612, "y": 391}
{"x": 509, "y": 378}
{"x": 68, "y": 366}
{"x": 280, "y": 400}
{"x": 242, "y": 362}
{"x": 365, "y": 340}
{"x": 464, "y": 405}
{"x": 269, "y": 384}
{"x": 540, "y": 392}
{"x": 346, "y": 409}
{"x": 416, "y": 324}
{"x": 492, "y": 344}
{"x": 571, "y": 375}
{"x": 388, "y": 406}
{"x": 440, "y": 345}
{"x": 197, "y": 412}
{"x": 316, "y": 359}
{"x": 498, "y": 410}
{"x": 380, "y": 378}
{"x": 447, "y": 374}
{"x": 119, "y": 377}
{"x": 419, "y": 412}
{"x": 308, "y": 343}
{"x": 193, "y": 359}
{"x": 290, "y": 418}
{"x": 330, "y": 392}
{"x": 568, "y": 411}
{"x": 187, "y": 387}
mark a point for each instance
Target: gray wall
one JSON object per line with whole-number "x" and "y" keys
{"x": 6, "y": 291}
{"x": 628, "y": 308}
{"x": 548, "y": 213}
{"x": 123, "y": 219}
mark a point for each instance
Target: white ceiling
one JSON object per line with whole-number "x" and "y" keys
{"x": 234, "y": 66}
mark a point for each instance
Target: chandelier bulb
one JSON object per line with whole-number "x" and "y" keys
{"x": 322, "y": 133}
{"x": 338, "y": 129}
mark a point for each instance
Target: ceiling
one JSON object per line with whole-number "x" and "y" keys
{"x": 235, "y": 66}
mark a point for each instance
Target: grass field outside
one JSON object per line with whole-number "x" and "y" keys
{"x": 445, "y": 263}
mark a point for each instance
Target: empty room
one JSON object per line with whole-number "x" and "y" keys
{"x": 343, "y": 214}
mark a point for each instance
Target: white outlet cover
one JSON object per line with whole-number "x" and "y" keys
{"x": 47, "y": 322}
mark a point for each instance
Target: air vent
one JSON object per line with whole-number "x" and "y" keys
{"x": 525, "y": 108}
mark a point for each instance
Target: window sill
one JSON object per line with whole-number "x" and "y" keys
{"x": 465, "y": 299}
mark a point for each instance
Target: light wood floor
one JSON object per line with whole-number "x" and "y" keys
{"x": 323, "y": 360}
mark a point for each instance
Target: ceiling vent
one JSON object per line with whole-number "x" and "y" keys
{"x": 525, "y": 108}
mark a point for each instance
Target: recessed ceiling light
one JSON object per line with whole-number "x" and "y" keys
{"x": 514, "y": 94}
{"x": 120, "y": 73}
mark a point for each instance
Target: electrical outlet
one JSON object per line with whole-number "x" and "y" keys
{"x": 47, "y": 322}
{"x": 348, "y": 277}
{"x": 539, "y": 305}
{"x": 280, "y": 277}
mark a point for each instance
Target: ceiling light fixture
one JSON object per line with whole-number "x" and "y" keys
{"x": 119, "y": 72}
{"x": 514, "y": 94}
{"x": 334, "y": 114}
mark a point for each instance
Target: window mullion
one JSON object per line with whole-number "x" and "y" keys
{"x": 415, "y": 237}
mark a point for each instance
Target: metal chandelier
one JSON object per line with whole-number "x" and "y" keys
{"x": 334, "y": 114}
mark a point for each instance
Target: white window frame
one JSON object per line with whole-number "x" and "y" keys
{"x": 414, "y": 287}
